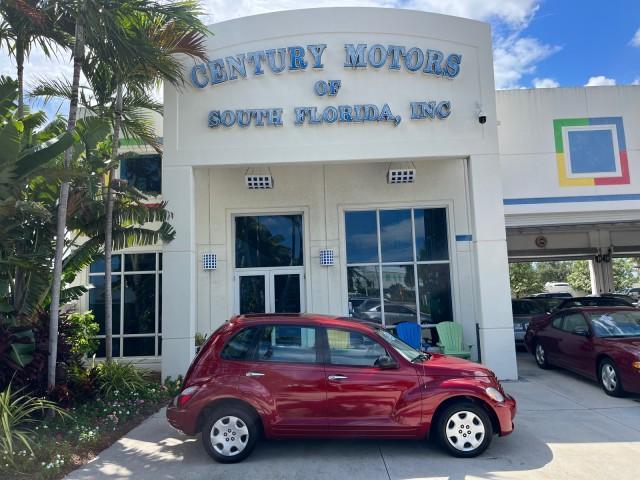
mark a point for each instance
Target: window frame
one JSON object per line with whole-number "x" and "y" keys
{"x": 122, "y": 272}
{"x": 450, "y": 261}
{"x": 571, "y": 332}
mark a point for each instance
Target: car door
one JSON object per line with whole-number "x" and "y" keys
{"x": 362, "y": 399}
{"x": 577, "y": 349}
{"x": 550, "y": 337}
{"x": 285, "y": 372}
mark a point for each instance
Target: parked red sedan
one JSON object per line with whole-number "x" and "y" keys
{"x": 289, "y": 376}
{"x": 602, "y": 343}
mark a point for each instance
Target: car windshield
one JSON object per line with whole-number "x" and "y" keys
{"x": 616, "y": 324}
{"x": 524, "y": 307}
{"x": 399, "y": 346}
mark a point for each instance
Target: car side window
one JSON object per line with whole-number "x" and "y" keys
{"x": 287, "y": 343}
{"x": 557, "y": 322}
{"x": 353, "y": 348}
{"x": 242, "y": 345}
{"x": 574, "y": 321}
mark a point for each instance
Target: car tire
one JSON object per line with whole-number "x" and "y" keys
{"x": 464, "y": 429}
{"x": 540, "y": 355}
{"x": 610, "y": 378}
{"x": 238, "y": 441}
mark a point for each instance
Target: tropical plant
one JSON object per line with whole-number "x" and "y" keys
{"x": 19, "y": 413}
{"x": 81, "y": 334}
{"x": 116, "y": 379}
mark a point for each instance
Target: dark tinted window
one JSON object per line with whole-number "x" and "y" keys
{"x": 139, "y": 303}
{"x": 287, "y": 343}
{"x": 434, "y": 287}
{"x": 98, "y": 265}
{"x": 353, "y": 348}
{"x": 432, "y": 242}
{"x": 139, "y": 262}
{"x": 574, "y": 321}
{"x": 269, "y": 241}
{"x": 557, "y": 322}
{"x": 395, "y": 236}
{"x": 241, "y": 346}
{"x": 362, "y": 237}
{"x": 523, "y": 307}
{"x": 143, "y": 172}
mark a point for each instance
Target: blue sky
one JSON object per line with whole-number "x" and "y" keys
{"x": 537, "y": 43}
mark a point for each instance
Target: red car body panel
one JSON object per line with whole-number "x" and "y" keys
{"x": 582, "y": 354}
{"x": 298, "y": 400}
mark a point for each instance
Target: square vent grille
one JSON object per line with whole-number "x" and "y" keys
{"x": 258, "y": 182}
{"x": 327, "y": 257}
{"x": 209, "y": 261}
{"x": 402, "y": 175}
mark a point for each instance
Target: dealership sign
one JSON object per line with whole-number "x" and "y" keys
{"x": 295, "y": 58}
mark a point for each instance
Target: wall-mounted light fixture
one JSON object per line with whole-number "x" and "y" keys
{"x": 258, "y": 181}
{"x": 209, "y": 261}
{"x": 401, "y": 175}
{"x": 327, "y": 257}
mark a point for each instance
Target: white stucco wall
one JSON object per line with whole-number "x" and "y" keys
{"x": 321, "y": 169}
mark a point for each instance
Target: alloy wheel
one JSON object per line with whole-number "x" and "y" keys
{"x": 465, "y": 431}
{"x": 229, "y": 436}
{"x": 540, "y": 354}
{"x": 609, "y": 377}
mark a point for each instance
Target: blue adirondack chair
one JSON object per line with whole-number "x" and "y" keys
{"x": 410, "y": 333}
{"x": 450, "y": 334}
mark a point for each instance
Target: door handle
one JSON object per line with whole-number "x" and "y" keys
{"x": 254, "y": 374}
{"x": 337, "y": 377}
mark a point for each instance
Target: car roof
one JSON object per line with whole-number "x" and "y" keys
{"x": 599, "y": 308}
{"x": 304, "y": 319}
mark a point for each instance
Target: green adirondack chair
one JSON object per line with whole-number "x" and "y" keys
{"x": 450, "y": 343}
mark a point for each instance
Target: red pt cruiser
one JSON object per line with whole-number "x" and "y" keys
{"x": 285, "y": 376}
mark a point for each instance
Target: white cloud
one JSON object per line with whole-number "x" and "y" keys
{"x": 600, "y": 81}
{"x": 545, "y": 83}
{"x": 516, "y": 56}
{"x": 636, "y": 81}
{"x": 635, "y": 41}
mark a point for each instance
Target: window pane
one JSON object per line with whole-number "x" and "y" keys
{"x": 140, "y": 262}
{"x": 434, "y": 285}
{"x": 160, "y": 261}
{"x": 573, "y": 321}
{"x": 143, "y": 172}
{"x": 139, "y": 347}
{"x": 139, "y": 303}
{"x": 287, "y": 293}
{"x": 396, "y": 240}
{"x": 398, "y": 283}
{"x": 353, "y": 348}
{"x": 241, "y": 346}
{"x": 362, "y": 237}
{"x": 98, "y": 265}
{"x": 96, "y": 302}
{"x": 287, "y": 343}
{"x": 115, "y": 348}
{"x": 432, "y": 242}
{"x": 364, "y": 289}
{"x": 269, "y": 241}
{"x": 252, "y": 296}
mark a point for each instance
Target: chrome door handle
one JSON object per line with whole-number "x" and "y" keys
{"x": 337, "y": 377}
{"x": 254, "y": 374}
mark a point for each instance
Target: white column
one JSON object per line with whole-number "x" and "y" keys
{"x": 179, "y": 273}
{"x": 492, "y": 292}
{"x": 601, "y": 273}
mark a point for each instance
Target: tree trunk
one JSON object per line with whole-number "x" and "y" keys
{"x": 78, "y": 58}
{"x": 20, "y": 67}
{"x": 108, "y": 226}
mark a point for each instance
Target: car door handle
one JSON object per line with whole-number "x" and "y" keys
{"x": 254, "y": 374}
{"x": 337, "y": 377}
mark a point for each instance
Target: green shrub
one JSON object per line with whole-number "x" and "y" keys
{"x": 81, "y": 333}
{"x": 173, "y": 386}
{"x": 18, "y": 414}
{"x": 116, "y": 379}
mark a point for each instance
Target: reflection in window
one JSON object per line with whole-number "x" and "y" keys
{"x": 353, "y": 348}
{"x": 287, "y": 293}
{"x": 413, "y": 244}
{"x": 143, "y": 172}
{"x": 287, "y": 343}
{"x": 140, "y": 303}
{"x": 268, "y": 241}
{"x": 96, "y": 302}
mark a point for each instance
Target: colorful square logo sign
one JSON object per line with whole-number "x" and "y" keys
{"x": 591, "y": 151}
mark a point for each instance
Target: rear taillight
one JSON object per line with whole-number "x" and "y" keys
{"x": 186, "y": 395}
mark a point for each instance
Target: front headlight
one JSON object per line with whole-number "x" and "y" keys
{"x": 494, "y": 394}
{"x": 636, "y": 365}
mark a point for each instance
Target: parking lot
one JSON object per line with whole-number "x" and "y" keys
{"x": 566, "y": 428}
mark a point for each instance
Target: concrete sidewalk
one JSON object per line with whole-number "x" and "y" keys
{"x": 566, "y": 428}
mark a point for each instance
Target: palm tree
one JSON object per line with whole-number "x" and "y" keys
{"x": 25, "y": 24}
{"x": 102, "y": 26}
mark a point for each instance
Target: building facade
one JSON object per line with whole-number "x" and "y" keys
{"x": 359, "y": 162}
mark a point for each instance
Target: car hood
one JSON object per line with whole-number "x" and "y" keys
{"x": 445, "y": 366}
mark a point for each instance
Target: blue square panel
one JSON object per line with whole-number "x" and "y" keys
{"x": 591, "y": 151}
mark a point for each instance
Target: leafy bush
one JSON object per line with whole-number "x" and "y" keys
{"x": 115, "y": 378}
{"x": 173, "y": 386}
{"x": 18, "y": 414}
{"x": 81, "y": 331}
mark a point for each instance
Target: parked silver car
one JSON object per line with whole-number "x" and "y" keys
{"x": 523, "y": 311}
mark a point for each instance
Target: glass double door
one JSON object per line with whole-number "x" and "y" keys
{"x": 276, "y": 290}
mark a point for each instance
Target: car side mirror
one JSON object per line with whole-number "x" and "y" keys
{"x": 385, "y": 363}
{"x": 582, "y": 331}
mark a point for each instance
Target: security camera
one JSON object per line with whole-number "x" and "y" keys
{"x": 482, "y": 118}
